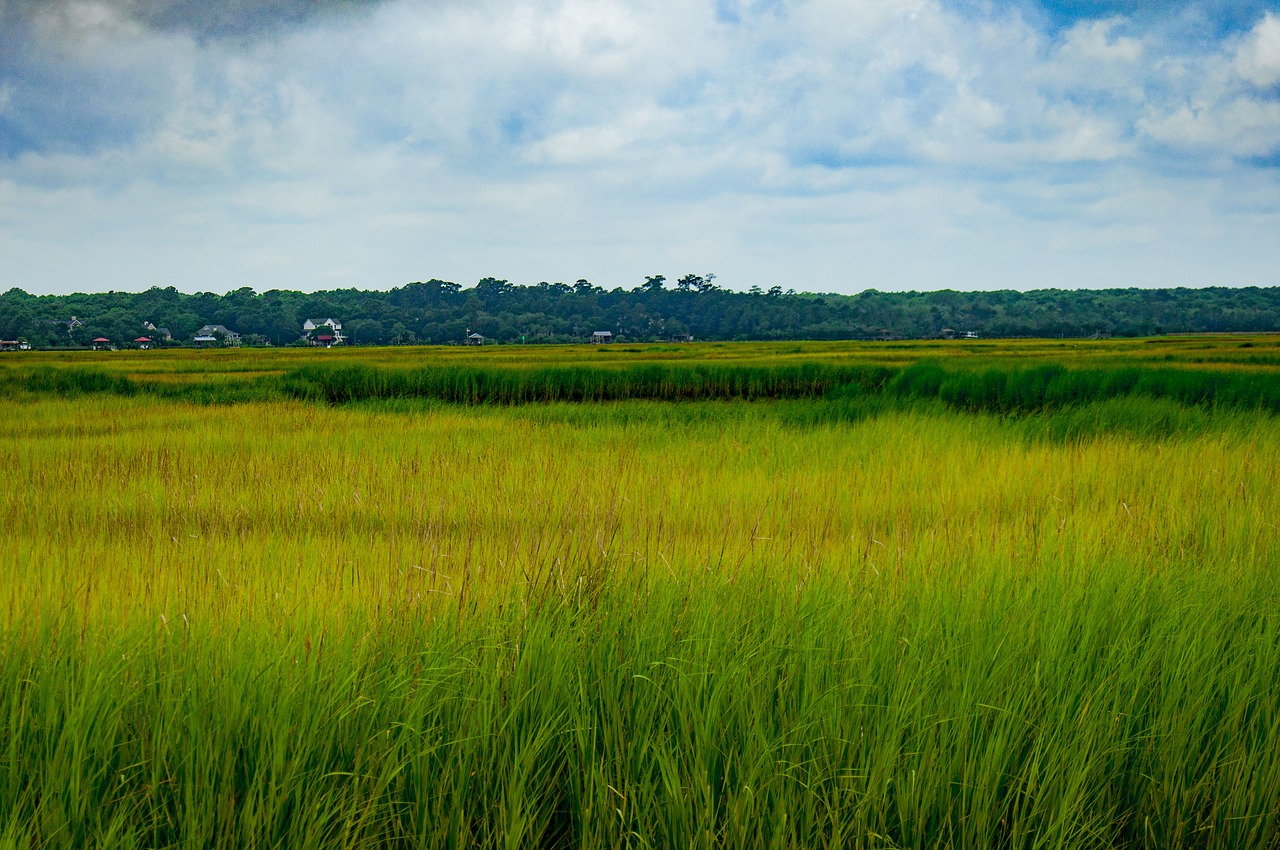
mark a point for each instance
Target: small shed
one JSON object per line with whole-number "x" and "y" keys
{"x": 602, "y": 337}
{"x": 475, "y": 339}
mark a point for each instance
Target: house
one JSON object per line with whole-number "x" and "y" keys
{"x": 209, "y": 334}
{"x": 325, "y": 332}
{"x": 682, "y": 337}
{"x": 602, "y": 337}
{"x": 163, "y": 334}
{"x": 68, "y": 324}
{"x": 475, "y": 339}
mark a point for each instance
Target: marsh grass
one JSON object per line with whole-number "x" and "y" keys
{"x": 1012, "y": 378}
{"x": 870, "y": 619}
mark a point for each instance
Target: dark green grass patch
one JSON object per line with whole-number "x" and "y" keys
{"x": 1108, "y": 710}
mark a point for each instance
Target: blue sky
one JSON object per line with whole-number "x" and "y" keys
{"x": 825, "y": 145}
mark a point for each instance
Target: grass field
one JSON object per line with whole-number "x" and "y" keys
{"x": 949, "y": 595}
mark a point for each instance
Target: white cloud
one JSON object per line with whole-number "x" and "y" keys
{"x": 1094, "y": 42}
{"x": 444, "y": 139}
{"x": 1258, "y": 59}
{"x": 1243, "y": 127}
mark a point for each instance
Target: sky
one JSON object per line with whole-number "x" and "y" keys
{"x": 820, "y": 145}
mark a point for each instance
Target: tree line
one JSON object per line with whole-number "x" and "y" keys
{"x": 692, "y": 306}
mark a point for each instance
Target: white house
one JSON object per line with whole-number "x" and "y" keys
{"x": 324, "y": 332}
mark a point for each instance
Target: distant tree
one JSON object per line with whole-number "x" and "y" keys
{"x": 401, "y": 335}
{"x": 365, "y": 331}
{"x": 438, "y": 311}
{"x": 492, "y": 291}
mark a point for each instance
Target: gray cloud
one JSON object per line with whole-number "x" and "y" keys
{"x": 926, "y": 142}
{"x": 202, "y": 18}
{"x": 238, "y": 17}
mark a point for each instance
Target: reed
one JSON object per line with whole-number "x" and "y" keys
{"x": 862, "y": 617}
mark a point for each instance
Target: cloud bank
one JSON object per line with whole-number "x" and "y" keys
{"x": 820, "y": 145}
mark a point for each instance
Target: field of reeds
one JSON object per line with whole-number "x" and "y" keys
{"x": 950, "y": 595}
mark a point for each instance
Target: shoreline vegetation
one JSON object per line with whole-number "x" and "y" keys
{"x": 998, "y": 377}
{"x": 692, "y": 307}
{"x": 954, "y": 595}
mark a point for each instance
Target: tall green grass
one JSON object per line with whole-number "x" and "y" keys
{"x": 1119, "y": 711}
{"x": 1006, "y": 388}
{"x": 667, "y": 382}
{"x": 946, "y": 605}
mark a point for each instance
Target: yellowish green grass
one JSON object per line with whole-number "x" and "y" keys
{"x": 149, "y": 509}
{"x": 864, "y": 619}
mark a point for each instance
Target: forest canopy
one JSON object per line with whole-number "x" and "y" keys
{"x": 692, "y": 306}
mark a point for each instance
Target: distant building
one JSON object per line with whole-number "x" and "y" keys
{"x": 323, "y": 332}
{"x": 209, "y": 334}
{"x": 602, "y": 337}
{"x": 14, "y": 345}
{"x": 475, "y": 339}
{"x": 68, "y": 325}
{"x": 162, "y": 334}
{"x": 970, "y": 334}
